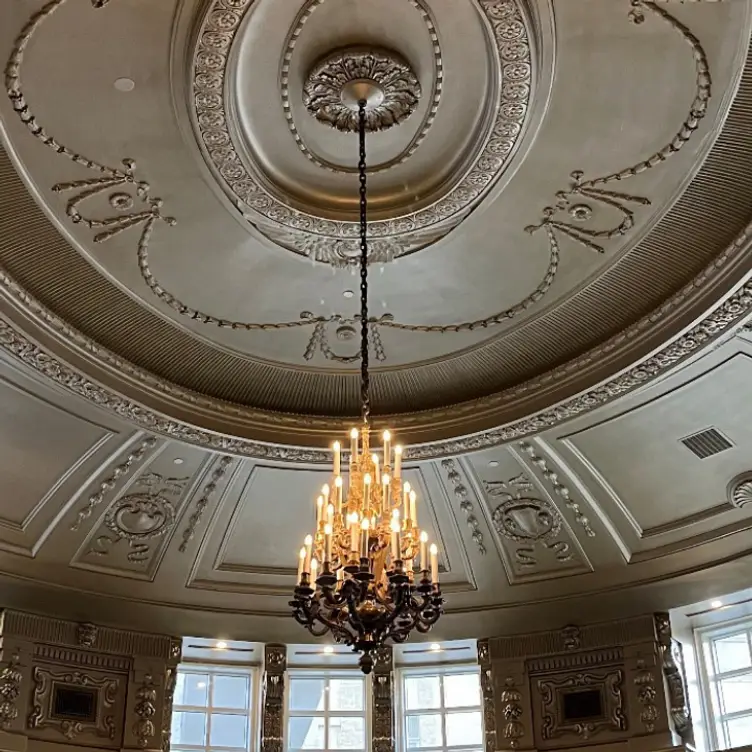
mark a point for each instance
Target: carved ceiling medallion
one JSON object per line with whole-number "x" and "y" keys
{"x": 140, "y": 516}
{"x": 333, "y": 88}
{"x": 527, "y": 520}
{"x": 307, "y": 230}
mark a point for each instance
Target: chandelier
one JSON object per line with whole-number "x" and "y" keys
{"x": 367, "y": 574}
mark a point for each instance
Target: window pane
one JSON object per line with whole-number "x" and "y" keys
{"x": 736, "y": 694}
{"x": 732, "y": 652}
{"x": 191, "y": 689}
{"x": 228, "y": 730}
{"x": 345, "y": 694}
{"x": 306, "y": 733}
{"x": 461, "y": 690}
{"x": 347, "y": 733}
{"x": 464, "y": 729}
{"x": 307, "y": 694}
{"x": 424, "y": 731}
{"x": 740, "y": 731}
{"x": 422, "y": 692}
{"x": 230, "y": 691}
{"x": 189, "y": 728}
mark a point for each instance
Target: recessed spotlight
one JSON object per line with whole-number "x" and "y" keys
{"x": 493, "y": 463}
{"x": 221, "y": 645}
{"x": 716, "y": 604}
{"x": 348, "y": 294}
{"x": 178, "y": 461}
{"x": 124, "y": 84}
{"x": 435, "y": 647}
{"x": 328, "y": 649}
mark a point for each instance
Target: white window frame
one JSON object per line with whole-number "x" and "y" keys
{"x": 401, "y": 711}
{"x": 253, "y": 711}
{"x": 709, "y": 684}
{"x": 327, "y": 674}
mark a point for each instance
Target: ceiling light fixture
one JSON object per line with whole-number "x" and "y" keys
{"x": 716, "y": 604}
{"x": 435, "y": 647}
{"x": 221, "y": 645}
{"x": 328, "y": 649}
{"x": 357, "y": 575}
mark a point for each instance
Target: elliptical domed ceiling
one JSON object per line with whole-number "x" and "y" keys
{"x": 565, "y": 187}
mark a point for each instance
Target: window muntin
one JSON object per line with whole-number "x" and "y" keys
{"x": 214, "y": 709}
{"x": 441, "y": 710}
{"x": 727, "y": 672}
{"x": 327, "y": 710}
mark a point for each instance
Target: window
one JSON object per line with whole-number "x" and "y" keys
{"x": 213, "y": 709}
{"x": 327, "y": 711}
{"x": 727, "y": 665}
{"x": 441, "y": 710}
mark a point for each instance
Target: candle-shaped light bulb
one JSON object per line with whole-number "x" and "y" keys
{"x": 367, "y": 489}
{"x": 308, "y": 548}
{"x": 338, "y": 489}
{"x": 385, "y": 484}
{"x": 353, "y": 518}
{"x": 319, "y": 510}
{"x": 353, "y": 445}
{"x": 423, "y": 547}
{"x": 328, "y": 542}
{"x": 375, "y": 461}
{"x": 365, "y": 525}
{"x": 413, "y": 509}
{"x": 397, "y": 461}
{"x": 301, "y": 563}
{"x": 406, "y": 500}
{"x": 330, "y": 516}
{"x": 387, "y": 439}
{"x": 337, "y": 447}
{"x": 325, "y": 491}
{"x": 395, "y": 540}
{"x": 314, "y": 572}
{"x": 434, "y": 564}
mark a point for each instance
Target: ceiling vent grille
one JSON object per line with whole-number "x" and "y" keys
{"x": 707, "y": 443}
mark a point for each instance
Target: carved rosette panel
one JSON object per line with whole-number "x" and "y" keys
{"x": 674, "y": 672}
{"x": 102, "y": 723}
{"x": 383, "y": 709}
{"x": 609, "y": 683}
{"x": 272, "y": 721}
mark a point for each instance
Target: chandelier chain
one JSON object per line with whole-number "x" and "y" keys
{"x": 365, "y": 381}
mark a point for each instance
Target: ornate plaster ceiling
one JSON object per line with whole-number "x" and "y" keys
{"x": 564, "y": 202}
{"x": 606, "y": 516}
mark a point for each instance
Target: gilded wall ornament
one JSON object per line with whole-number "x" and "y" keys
{"x": 86, "y": 634}
{"x": 42, "y": 715}
{"x": 609, "y": 682}
{"x": 646, "y": 695}
{"x": 10, "y": 688}
{"x": 272, "y": 720}
{"x": 145, "y": 710}
{"x": 511, "y": 711}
